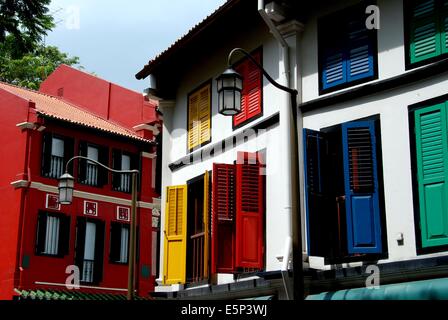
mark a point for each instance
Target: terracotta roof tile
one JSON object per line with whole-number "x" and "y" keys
{"x": 57, "y": 108}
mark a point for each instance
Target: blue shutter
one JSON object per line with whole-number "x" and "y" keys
{"x": 334, "y": 69}
{"x": 360, "y": 52}
{"x": 315, "y": 145}
{"x": 361, "y": 188}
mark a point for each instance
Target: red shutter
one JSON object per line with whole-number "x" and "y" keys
{"x": 249, "y": 211}
{"x": 223, "y": 219}
{"x": 251, "y": 95}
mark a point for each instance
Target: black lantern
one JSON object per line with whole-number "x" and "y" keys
{"x": 230, "y": 85}
{"x": 66, "y": 186}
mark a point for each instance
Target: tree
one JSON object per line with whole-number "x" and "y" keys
{"x": 24, "y": 61}
{"x": 26, "y": 21}
{"x": 32, "y": 68}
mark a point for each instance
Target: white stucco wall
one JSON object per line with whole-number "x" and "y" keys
{"x": 392, "y": 107}
{"x": 175, "y": 139}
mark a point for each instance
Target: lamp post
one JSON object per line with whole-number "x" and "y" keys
{"x": 229, "y": 89}
{"x": 66, "y": 188}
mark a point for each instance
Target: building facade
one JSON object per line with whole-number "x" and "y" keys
{"x": 372, "y": 147}
{"x": 44, "y": 241}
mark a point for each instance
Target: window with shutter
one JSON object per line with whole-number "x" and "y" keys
{"x": 249, "y": 212}
{"x": 119, "y": 243}
{"x": 431, "y": 131}
{"x": 251, "y": 96}
{"x": 343, "y": 216}
{"x": 89, "y": 249}
{"x": 175, "y": 235}
{"x": 347, "y": 49}
{"x": 428, "y": 27}
{"x": 52, "y": 235}
{"x": 223, "y": 218}
{"x": 361, "y": 188}
{"x": 199, "y": 117}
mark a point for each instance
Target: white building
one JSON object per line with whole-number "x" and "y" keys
{"x": 373, "y": 154}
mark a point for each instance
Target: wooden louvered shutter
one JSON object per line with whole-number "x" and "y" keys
{"x": 361, "y": 187}
{"x": 193, "y": 122}
{"x": 206, "y": 222}
{"x": 424, "y": 31}
{"x": 204, "y": 109}
{"x": 223, "y": 218}
{"x": 251, "y": 104}
{"x": 444, "y": 26}
{"x": 318, "y": 201}
{"x": 432, "y": 170}
{"x": 360, "y": 51}
{"x": 249, "y": 212}
{"x": 175, "y": 244}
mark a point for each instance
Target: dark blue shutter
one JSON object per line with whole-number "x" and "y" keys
{"x": 361, "y": 187}
{"x": 317, "y": 201}
{"x": 359, "y": 51}
{"x": 334, "y": 69}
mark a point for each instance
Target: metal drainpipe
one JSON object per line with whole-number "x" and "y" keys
{"x": 286, "y": 115}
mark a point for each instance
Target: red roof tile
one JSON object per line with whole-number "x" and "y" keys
{"x": 57, "y": 108}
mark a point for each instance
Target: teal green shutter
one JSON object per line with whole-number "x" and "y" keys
{"x": 432, "y": 169}
{"x": 444, "y": 27}
{"x": 425, "y": 25}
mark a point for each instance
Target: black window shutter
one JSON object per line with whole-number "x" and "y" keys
{"x": 80, "y": 242}
{"x": 69, "y": 145}
{"x": 99, "y": 253}
{"x": 116, "y": 181}
{"x": 103, "y": 174}
{"x": 41, "y": 233}
{"x": 46, "y": 153}
{"x": 115, "y": 242}
{"x": 82, "y": 164}
{"x": 64, "y": 236}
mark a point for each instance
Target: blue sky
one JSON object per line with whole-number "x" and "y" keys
{"x": 116, "y": 38}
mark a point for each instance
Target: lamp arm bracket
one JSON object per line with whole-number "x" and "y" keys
{"x": 100, "y": 164}
{"x": 271, "y": 80}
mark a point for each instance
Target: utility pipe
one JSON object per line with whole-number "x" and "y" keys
{"x": 288, "y": 120}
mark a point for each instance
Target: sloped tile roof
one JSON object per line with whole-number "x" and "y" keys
{"x": 57, "y": 108}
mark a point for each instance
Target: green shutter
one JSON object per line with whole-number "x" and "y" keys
{"x": 425, "y": 26}
{"x": 444, "y": 27}
{"x": 432, "y": 162}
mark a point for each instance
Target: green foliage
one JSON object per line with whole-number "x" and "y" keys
{"x": 23, "y": 60}
{"x": 27, "y": 21}
{"x": 32, "y": 68}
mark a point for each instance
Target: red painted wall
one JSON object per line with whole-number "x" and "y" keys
{"x": 110, "y": 101}
{"x": 13, "y": 142}
{"x": 52, "y": 270}
{"x": 20, "y": 267}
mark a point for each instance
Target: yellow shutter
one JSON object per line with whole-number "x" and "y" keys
{"x": 199, "y": 117}
{"x": 206, "y": 223}
{"x": 175, "y": 243}
{"x": 204, "y": 114}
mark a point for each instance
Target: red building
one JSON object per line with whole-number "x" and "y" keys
{"x": 40, "y": 239}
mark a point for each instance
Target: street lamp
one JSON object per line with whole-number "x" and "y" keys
{"x": 229, "y": 86}
{"x": 66, "y": 188}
